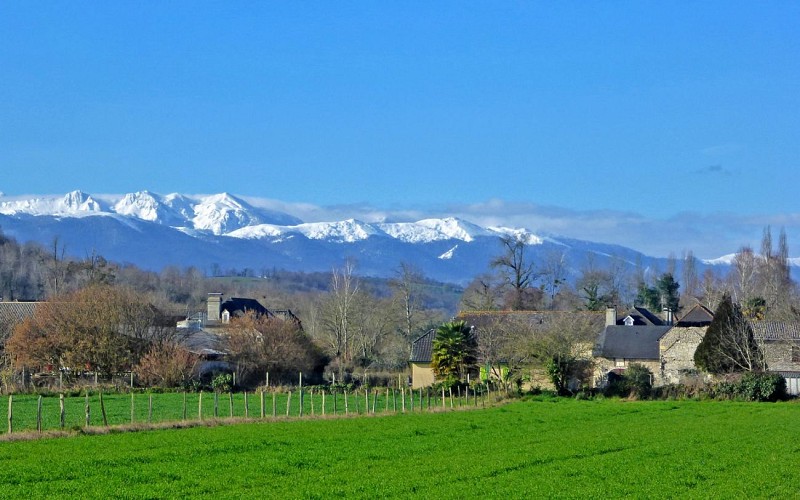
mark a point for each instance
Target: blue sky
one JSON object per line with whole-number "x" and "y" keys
{"x": 600, "y": 120}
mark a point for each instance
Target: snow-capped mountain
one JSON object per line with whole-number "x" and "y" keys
{"x": 224, "y": 231}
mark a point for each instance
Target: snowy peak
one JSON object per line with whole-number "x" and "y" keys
{"x": 74, "y": 203}
{"x": 223, "y": 213}
{"x": 146, "y": 206}
{"x": 428, "y": 230}
{"x": 346, "y": 231}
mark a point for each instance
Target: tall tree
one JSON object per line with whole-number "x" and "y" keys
{"x": 515, "y": 269}
{"x": 729, "y": 345}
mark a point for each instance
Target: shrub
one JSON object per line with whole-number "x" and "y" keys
{"x": 222, "y": 382}
{"x": 755, "y": 386}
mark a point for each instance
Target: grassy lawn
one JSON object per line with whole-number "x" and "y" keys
{"x": 534, "y": 448}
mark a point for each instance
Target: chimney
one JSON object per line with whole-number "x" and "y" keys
{"x": 214, "y": 303}
{"x": 611, "y": 316}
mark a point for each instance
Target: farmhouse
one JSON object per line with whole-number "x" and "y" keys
{"x": 490, "y": 326}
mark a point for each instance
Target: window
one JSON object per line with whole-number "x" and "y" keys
{"x": 619, "y": 362}
{"x": 795, "y": 354}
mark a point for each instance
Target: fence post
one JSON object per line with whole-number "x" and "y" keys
{"x": 246, "y": 410}
{"x": 11, "y": 413}
{"x": 311, "y": 400}
{"x": 133, "y": 413}
{"x": 394, "y": 400}
{"x": 216, "y": 404}
{"x": 103, "y": 410}
{"x": 263, "y": 408}
{"x": 346, "y": 410}
{"x": 39, "y": 415}
{"x": 150, "y": 408}
{"x": 323, "y": 402}
{"x": 274, "y": 405}
{"x": 230, "y": 404}
{"x": 333, "y": 393}
{"x": 301, "y": 394}
{"x": 403, "y": 399}
{"x": 451, "y": 398}
{"x": 366, "y": 400}
{"x": 88, "y": 410}
{"x": 184, "y": 405}
{"x": 61, "y": 410}
{"x": 288, "y": 403}
{"x": 200, "y": 406}
{"x": 443, "y": 400}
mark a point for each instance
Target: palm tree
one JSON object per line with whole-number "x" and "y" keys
{"x": 453, "y": 351}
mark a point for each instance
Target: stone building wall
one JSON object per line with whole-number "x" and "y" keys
{"x": 677, "y": 349}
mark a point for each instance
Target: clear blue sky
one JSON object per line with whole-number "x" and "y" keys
{"x": 668, "y": 111}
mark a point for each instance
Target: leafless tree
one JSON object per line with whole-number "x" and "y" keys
{"x": 516, "y": 271}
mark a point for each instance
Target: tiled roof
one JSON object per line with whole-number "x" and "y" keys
{"x": 630, "y": 342}
{"x": 238, "y": 306}
{"x": 775, "y": 330}
{"x": 12, "y": 313}
{"x": 422, "y": 348}
{"x": 480, "y": 319}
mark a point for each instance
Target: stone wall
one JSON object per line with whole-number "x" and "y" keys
{"x": 677, "y": 349}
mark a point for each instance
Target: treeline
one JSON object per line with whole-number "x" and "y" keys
{"x": 759, "y": 281}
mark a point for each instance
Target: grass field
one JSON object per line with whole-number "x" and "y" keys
{"x": 171, "y": 407}
{"x": 533, "y": 448}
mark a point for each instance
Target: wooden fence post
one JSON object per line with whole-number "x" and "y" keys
{"x": 386, "y": 409}
{"x": 246, "y": 409}
{"x": 39, "y": 415}
{"x": 263, "y": 408}
{"x": 403, "y": 399}
{"x": 150, "y": 408}
{"x": 366, "y": 400}
{"x": 300, "y": 389}
{"x": 443, "y": 400}
{"x": 451, "y": 398}
{"x": 200, "y": 406}
{"x": 374, "y": 400}
{"x": 311, "y": 400}
{"x": 11, "y": 413}
{"x": 133, "y": 413}
{"x": 103, "y": 410}
{"x": 394, "y": 400}
{"x": 216, "y": 404}
{"x": 88, "y": 410}
{"x": 333, "y": 393}
{"x": 274, "y": 405}
{"x": 230, "y": 404}
{"x": 184, "y": 405}
{"x": 288, "y": 403}
{"x": 62, "y": 411}
{"x": 323, "y": 402}
{"x": 345, "y": 403}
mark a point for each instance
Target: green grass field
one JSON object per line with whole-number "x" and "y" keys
{"x": 526, "y": 449}
{"x": 172, "y": 407}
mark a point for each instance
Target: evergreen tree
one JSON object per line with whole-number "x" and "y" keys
{"x": 454, "y": 350}
{"x": 729, "y": 344}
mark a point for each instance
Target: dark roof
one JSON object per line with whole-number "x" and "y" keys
{"x": 641, "y": 317}
{"x": 775, "y": 330}
{"x": 422, "y": 348}
{"x": 237, "y": 306}
{"x": 699, "y": 315}
{"x": 630, "y": 342}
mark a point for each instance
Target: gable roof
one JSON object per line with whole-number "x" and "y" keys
{"x": 422, "y": 348}
{"x": 630, "y": 342}
{"x": 641, "y": 317}
{"x": 699, "y": 315}
{"x": 237, "y": 306}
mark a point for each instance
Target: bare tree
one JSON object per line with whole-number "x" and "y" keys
{"x": 554, "y": 273}
{"x": 516, "y": 272}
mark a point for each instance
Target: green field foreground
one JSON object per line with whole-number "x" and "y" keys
{"x": 527, "y": 449}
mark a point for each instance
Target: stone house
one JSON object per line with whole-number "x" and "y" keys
{"x": 491, "y": 322}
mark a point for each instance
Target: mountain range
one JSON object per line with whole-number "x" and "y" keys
{"x": 222, "y": 232}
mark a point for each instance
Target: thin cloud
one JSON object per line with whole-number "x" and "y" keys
{"x": 714, "y": 170}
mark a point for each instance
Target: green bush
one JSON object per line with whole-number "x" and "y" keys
{"x": 761, "y": 387}
{"x": 636, "y": 381}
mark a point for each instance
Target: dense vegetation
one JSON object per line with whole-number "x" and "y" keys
{"x": 536, "y": 448}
